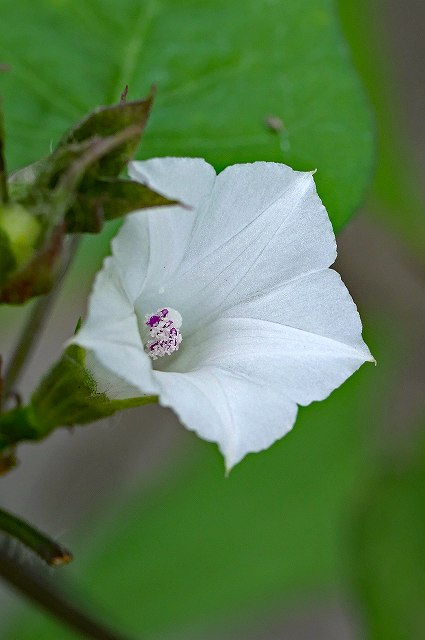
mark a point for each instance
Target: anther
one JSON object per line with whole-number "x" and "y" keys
{"x": 165, "y": 337}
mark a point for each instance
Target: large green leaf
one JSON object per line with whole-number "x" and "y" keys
{"x": 222, "y": 68}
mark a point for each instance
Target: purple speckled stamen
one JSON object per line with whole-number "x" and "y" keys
{"x": 165, "y": 337}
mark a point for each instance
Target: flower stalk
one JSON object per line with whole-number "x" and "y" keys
{"x": 48, "y": 550}
{"x": 35, "y": 324}
{"x": 42, "y": 593}
{"x": 4, "y": 194}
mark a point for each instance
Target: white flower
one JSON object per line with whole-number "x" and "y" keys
{"x": 265, "y": 325}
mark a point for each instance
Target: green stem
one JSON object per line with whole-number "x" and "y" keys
{"x": 51, "y": 552}
{"x": 4, "y": 195}
{"x": 42, "y": 593}
{"x": 34, "y": 325}
{"x": 24, "y": 347}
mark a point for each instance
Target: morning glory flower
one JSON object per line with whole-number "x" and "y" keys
{"x": 226, "y": 308}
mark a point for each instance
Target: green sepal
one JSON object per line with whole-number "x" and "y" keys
{"x": 103, "y": 123}
{"x": 66, "y": 396}
{"x": 74, "y": 190}
{"x": 67, "y": 184}
{"x": 108, "y": 121}
{"x": 108, "y": 199}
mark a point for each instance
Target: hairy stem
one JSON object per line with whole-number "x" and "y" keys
{"x": 34, "y": 325}
{"x": 51, "y": 552}
{"x": 42, "y": 593}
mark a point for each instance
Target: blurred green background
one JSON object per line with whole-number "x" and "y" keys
{"x": 322, "y": 536}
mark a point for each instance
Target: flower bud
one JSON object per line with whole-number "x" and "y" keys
{"x": 20, "y": 230}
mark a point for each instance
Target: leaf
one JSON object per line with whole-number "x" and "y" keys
{"x": 224, "y": 70}
{"x": 388, "y": 560}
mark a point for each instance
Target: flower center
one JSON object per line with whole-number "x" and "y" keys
{"x": 165, "y": 337}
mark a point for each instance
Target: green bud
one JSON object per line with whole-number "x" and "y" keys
{"x": 73, "y": 190}
{"x": 22, "y": 231}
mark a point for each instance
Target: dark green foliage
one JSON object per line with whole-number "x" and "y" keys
{"x": 222, "y": 69}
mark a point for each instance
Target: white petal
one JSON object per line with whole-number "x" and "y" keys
{"x": 152, "y": 243}
{"x": 266, "y": 326}
{"x": 237, "y": 381}
{"x": 239, "y": 415}
{"x": 254, "y": 226}
{"x": 304, "y": 366}
{"x": 111, "y": 332}
{"x": 318, "y": 303}
{"x": 189, "y": 180}
{"x": 148, "y": 247}
{"x": 265, "y": 225}
{"x": 271, "y": 210}
{"x": 107, "y": 381}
